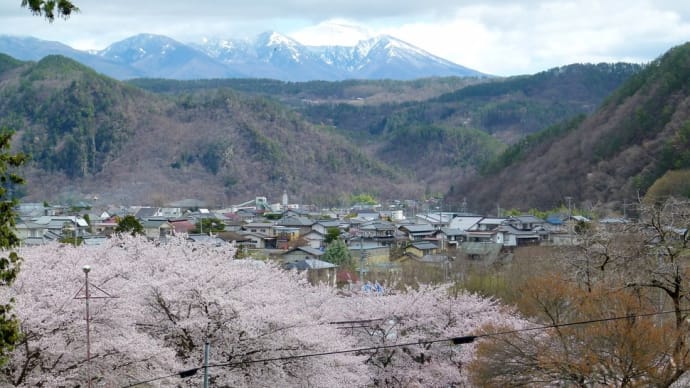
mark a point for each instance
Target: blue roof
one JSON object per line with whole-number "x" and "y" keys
{"x": 554, "y": 220}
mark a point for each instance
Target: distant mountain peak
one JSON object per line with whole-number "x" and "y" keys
{"x": 267, "y": 55}
{"x": 272, "y": 38}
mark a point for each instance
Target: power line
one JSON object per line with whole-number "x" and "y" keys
{"x": 181, "y": 374}
{"x": 455, "y": 340}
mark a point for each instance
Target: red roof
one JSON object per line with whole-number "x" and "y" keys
{"x": 182, "y": 226}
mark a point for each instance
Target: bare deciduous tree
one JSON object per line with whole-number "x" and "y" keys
{"x": 636, "y": 270}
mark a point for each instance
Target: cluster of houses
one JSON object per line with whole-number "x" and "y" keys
{"x": 297, "y": 238}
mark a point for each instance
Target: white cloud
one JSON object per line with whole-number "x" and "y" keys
{"x": 339, "y": 32}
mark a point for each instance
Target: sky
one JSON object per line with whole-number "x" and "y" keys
{"x": 495, "y": 37}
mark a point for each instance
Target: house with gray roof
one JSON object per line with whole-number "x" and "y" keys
{"x": 422, "y": 248}
{"x": 380, "y": 231}
{"x": 157, "y": 228}
{"x": 315, "y": 239}
{"x": 465, "y": 222}
{"x": 258, "y": 240}
{"x": 301, "y": 253}
{"x": 417, "y": 232}
{"x": 303, "y": 223}
{"x": 145, "y": 213}
{"x": 50, "y": 228}
{"x": 322, "y": 226}
{"x": 267, "y": 228}
{"x": 318, "y": 271}
{"x": 449, "y": 237}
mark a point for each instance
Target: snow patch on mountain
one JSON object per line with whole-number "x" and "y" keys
{"x": 267, "y": 55}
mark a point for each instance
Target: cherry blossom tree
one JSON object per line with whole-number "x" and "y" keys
{"x": 153, "y": 306}
{"x": 170, "y": 299}
{"x": 408, "y": 331}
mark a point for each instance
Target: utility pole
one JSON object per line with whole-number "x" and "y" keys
{"x": 206, "y": 351}
{"x": 570, "y": 219}
{"x": 440, "y": 214}
{"x": 86, "y": 270}
{"x": 87, "y": 297}
{"x": 361, "y": 258}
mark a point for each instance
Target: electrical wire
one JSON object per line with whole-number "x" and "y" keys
{"x": 455, "y": 340}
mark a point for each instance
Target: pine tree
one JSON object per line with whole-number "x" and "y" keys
{"x": 51, "y": 8}
{"x": 338, "y": 254}
{"x": 130, "y": 224}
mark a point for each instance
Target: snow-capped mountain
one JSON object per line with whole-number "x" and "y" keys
{"x": 380, "y": 57}
{"x": 160, "y": 56}
{"x": 268, "y": 55}
{"x": 387, "y": 57}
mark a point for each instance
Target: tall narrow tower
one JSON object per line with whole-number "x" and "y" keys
{"x": 285, "y": 199}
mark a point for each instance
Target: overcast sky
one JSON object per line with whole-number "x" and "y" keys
{"x": 495, "y": 37}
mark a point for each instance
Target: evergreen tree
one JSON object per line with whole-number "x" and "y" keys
{"x": 332, "y": 234}
{"x": 51, "y": 8}
{"x": 129, "y": 224}
{"x": 338, "y": 254}
{"x": 209, "y": 225}
{"x": 9, "y": 260}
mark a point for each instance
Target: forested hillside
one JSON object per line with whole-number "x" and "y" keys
{"x": 439, "y": 129}
{"x": 225, "y": 141}
{"x": 506, "y": 108}
{"x": 614, "y": 156}
{"x": 89, "y": 135}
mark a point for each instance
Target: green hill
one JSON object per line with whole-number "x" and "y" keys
{"x": 611, "y": 157}
{"x": 224, "y": 141}
{"x": 89, "y": 135}
{"x": 434, "y": 129}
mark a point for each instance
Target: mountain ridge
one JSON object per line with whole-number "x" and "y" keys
{"x": 609, "y": 159}
{"x": 267, "y": 55}
{"x": 228, "y": 140}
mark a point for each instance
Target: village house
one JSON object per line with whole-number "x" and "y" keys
{"x": 301, "y": 253}
{"x": 449, "y": 238}
{"x": 206, "y": 239}
{"x": 417, "y": 232}
{"x": 322, "y": 226}
{"x": 464, "y": 223}
{"x": 382, "y": 232}
{"x": 422, "y": 248}
{"x": 523, "y": 230}
{"x": 157, "y": 228}
{"x": 52, "y": 227}
{"x": 181, "y": 225}
{"x": 235, "y": 238}
{"x": 284, "y": 235}
{"x": 486, "y": 224}
{"x": 314, "y": 239}
{"x": 318, "y": 271}
{"x": 105, "y": 227}
{"x": 266, "y": 228}
{"x": 304, "y": 224}
{"x": 259, "y": 240}
{"x": 438, "y": 220}
{"x": 373, "y": 253}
